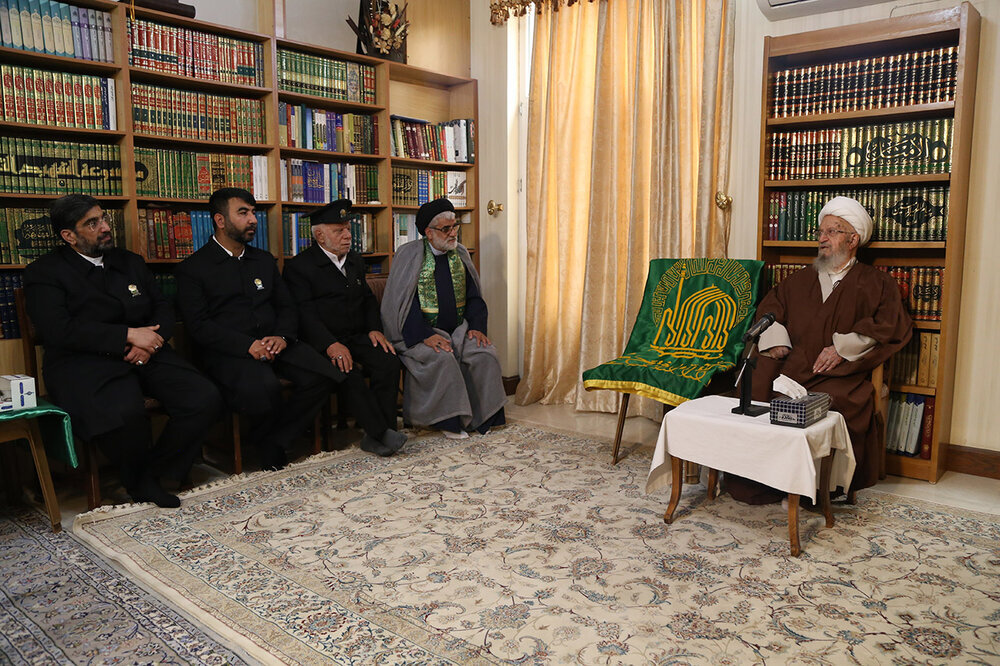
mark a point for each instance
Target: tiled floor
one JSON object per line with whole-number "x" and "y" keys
{"x": 953, "y": 489}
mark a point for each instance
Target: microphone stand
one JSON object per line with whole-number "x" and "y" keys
{"x": 749, "y": 363}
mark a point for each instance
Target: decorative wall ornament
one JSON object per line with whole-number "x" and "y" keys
{"x": 381, "y": 29}
{"x": 501, "y": 10}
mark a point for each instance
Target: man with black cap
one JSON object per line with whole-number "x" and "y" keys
{"x": 435, "y": 316}
{"x": 105, "y": 325}
{"x": 243, "y": 318}
{"x": 339, "y": 315}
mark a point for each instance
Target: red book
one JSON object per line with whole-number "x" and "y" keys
{"x": 927, "y": 429}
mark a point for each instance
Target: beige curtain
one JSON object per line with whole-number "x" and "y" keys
{"x": 627, "y": 144}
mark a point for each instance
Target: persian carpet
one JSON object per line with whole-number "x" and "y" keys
{"x": 61, "y": 604}
{"x": 526, "y": 546}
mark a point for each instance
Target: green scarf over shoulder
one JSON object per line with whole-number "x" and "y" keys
{"x": 427, "y": 287}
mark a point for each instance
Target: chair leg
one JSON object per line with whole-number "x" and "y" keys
{"x": 237, "y": 449}
{"x": 93, "y": 476}
{"x": 622, "y": 410}
{"x": 44, "y": 476}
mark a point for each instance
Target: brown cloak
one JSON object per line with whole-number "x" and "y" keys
{"x": 865, "y": 301}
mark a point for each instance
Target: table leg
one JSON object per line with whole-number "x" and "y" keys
{"x": 824, "y": 488}
{"x": 44, "y": 476}
{"x": 793, "y": 523}
{"x": 713, "y": 482}
{"x": 677, "y": 482}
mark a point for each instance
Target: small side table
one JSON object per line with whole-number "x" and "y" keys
{"x": 23, "y": 424}
{"x": 704, "y": 431}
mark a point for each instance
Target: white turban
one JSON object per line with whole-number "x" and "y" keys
{"x": 852, "y": 212}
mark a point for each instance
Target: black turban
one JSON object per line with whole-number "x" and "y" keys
{"x": 431, "y": 210}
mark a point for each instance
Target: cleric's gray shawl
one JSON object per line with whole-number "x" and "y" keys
{"x": 439, "y": 385}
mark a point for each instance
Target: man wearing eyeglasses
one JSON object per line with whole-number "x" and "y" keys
{"x": 105, "y": 325}
{"x": 835, "y": 321}
{"x": 339, "y": 317}
{"x": 435, "y": 316}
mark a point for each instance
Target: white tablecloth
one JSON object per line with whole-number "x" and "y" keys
{"x": 704, "y": 431}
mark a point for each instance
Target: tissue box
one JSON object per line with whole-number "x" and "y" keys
{"x": 17, "y": 392}
{"x": 799, "y": 412}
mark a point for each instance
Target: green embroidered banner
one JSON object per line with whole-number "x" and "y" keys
{"x": 694, "y": 313}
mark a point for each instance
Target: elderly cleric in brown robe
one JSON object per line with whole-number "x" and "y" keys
{"x": 836, "y": 321}
{"x": 435, "y": 317}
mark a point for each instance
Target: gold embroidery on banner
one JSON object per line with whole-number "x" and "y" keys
{"x": 697, "y": 325}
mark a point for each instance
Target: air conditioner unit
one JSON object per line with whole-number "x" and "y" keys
{"x": 776, "y": 10}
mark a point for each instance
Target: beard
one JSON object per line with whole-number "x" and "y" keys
{"x": 235, "y": 234}
{"x": 831, "y": 262}
{"x": 97, "y": 248}
{"x": 446, "y": 245}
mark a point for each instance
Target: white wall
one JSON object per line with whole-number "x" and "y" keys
{"x": 974, "y": 421}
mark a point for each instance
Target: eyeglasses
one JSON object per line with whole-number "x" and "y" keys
{"x": 94, "y": 222}
{"x": 830, "y": 233}
{"x": 446, "y": 229}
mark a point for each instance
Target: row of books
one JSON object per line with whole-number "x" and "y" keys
{"x": 404, "y": 228}
{"x": 194, "y": 115}
{"x": 9, "y": 326}
{"x": 303, "y": 181}
{"x": 452, "y": 141}
{"x": 26, "y": 233}
{"x": 300, "y": 126}
{"x": 775, "y": 273}
{"x": 167, "y": 283}
{"x": 56, "y": 28}
{"x": 298, "y": 233}
{"x": 309, "y": 74}
{"x": 914, "y": 147}
{"x": 920, "y": 287}
{"x": 910, "y": 426}
{"x": 57, "y": 99}
{"x": 184, "y": 174}
{"x": 916, "y": 364}
{"x": 34, "y": 166}
{"x": 414, "y": 187}
{"x": 898, "y": 213}
{"x": 914, "y": 77}
{"x": 176, "y": 234}
{"x": 193, "y": 53}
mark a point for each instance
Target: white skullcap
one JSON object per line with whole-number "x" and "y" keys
{"x": 852, "y": 212}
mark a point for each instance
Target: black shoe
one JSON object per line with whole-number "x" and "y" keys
{"x": 372, "y": 445}
{"x": 273, "y": 458}
{"x": 149, "y": 490}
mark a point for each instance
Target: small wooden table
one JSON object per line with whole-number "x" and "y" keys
{"x": 704, "y": 431}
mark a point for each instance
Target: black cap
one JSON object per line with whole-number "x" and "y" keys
{"x": 430, "y": 210}
{"x": 337, "y": 212}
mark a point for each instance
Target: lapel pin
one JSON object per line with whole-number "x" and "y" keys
{"x": 134, "y": 290}
{"x": 257, "y": 283}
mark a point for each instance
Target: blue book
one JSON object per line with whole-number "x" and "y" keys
{"x": 67, "y": 27}
{"x": 85, "y": 45}
{"x": 5, "y": 35}
{"x": 307, "y": 129}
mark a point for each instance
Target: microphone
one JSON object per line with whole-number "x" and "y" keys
{"x": 762, "y": 325}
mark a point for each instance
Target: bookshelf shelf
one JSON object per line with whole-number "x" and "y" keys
{"x": 930, "y": 58}
{"x": 850, "y": 118}
{"x": 50, "y": 132}
{"x": 431, "y": 164}
{"x": 142, "y": 199}
{"x": 202, "y": 144}
{"x": 330, "y": 156}
{"x": 60, "y": 63}
{"x": 13, "y": 196}
{"x": 914, "y": 388}
{"x": 306, "y": 204}
{"x": 328, "y": 103}
{"x": 866, "y": 181}
{"x": 140, "y": 75}
{"x": 458, "y": 209}
{"x": 325, "y": 51}
{"x": 423, "y": 77}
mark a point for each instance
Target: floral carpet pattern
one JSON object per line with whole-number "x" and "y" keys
{"x": 61, "y": 604}
{"x": 526, "y": 546}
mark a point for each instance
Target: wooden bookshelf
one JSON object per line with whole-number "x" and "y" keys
{"x": 399, "y": 89}
{"x": 951, "y": 28}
